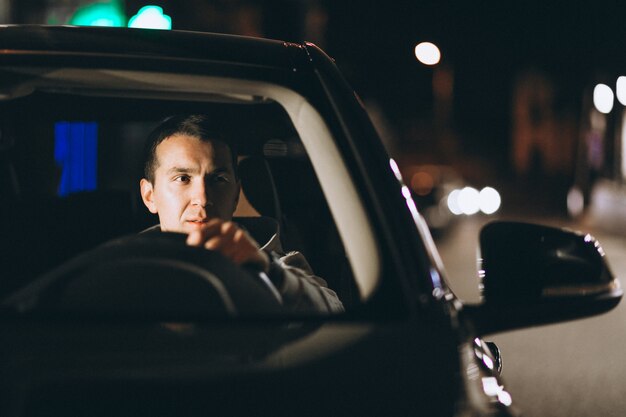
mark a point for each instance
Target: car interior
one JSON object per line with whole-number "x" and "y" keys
{"x": 71, "y": 160}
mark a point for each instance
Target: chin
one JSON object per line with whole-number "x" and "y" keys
{"x": 175, "y": 229}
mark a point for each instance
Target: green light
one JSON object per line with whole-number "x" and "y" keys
{"x": 99, "y": 14}
{"x": 150, "y": 17}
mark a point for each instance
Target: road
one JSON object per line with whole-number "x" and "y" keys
{"x": 572, "y": 369}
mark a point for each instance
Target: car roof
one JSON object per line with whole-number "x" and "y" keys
{"x": 128, "y": 42}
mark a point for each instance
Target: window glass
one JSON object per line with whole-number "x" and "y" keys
{"x": 71, "y": 178}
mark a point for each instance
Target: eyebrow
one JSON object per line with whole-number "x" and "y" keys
{"x": 186, "y": 170}
{"x": 181, "y": 170}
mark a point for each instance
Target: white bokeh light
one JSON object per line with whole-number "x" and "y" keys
{"x": 453, "y": 202}
{"x": 468, "y": 201}
{"x": 603, "y": 98}
{"x": 427, "y": 53}
{"x": 489, "y": 200}
{"x": 620, "y": 90}
{"x": 575, "y": 202}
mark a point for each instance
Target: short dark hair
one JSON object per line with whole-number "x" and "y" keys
{"x": 197, "y": 125}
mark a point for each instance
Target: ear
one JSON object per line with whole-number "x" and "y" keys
{"x": 147, "y": 195}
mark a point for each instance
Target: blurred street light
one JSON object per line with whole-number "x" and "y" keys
{"x": 489, "y": 200}
{"x": 99, "y": 14}
{"x": 111, "y": 13}
{"x": 620, "y": 90}
{"x": 150, "y": 17}
{"x": 469, "y": 201}
{"x": 603, "y": 98}
{"x": 427, "y": 53}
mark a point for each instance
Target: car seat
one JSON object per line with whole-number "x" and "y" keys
{"x": 288, "y": 190}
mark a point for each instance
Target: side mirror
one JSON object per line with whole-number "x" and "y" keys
{"x": 536, "y": 274}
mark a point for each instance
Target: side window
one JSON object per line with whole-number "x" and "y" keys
{"x": 88, "y": 165}
{"x": 291, "y": 170}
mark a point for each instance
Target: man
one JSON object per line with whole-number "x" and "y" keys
{"x": 190, "y": 182}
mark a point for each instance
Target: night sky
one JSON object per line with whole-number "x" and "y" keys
{"x": 487, "y": 44}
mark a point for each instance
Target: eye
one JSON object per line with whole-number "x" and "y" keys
{"x": 182, "y": 178}
{"x": 221, "y": 178}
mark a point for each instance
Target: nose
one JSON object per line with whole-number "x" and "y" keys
{"x": 201, "y": 195}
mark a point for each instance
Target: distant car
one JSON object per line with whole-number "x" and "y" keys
{"x": 91, "y": 326}
{"x": 441, "y": 195}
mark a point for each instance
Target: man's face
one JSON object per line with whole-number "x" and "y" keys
{"x": 194, "y": 181}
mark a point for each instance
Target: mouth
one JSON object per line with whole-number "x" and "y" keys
{"x": 196, "y": 223}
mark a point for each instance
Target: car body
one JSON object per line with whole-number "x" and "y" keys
{"x": 405, "y": 344}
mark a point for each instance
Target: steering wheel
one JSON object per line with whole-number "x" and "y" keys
{"x": 152, "y": 275}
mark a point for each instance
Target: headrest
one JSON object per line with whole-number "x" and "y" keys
{"x": 258, "y": 186}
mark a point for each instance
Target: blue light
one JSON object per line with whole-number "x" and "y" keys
{"x": 75, "y": 151}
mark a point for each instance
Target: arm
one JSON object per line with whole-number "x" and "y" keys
{"x": 300, "y": 289}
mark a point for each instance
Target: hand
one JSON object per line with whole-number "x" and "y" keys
{"x": 231, "y": 241}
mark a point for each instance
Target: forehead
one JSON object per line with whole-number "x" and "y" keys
{"x": 179, "y": 149}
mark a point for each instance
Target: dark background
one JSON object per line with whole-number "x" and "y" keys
{"x": 486, "y": 47}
